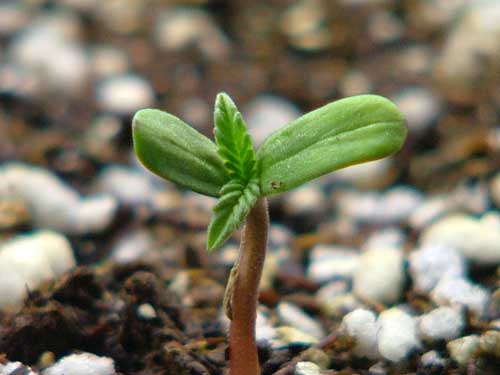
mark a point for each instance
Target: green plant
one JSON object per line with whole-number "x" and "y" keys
{"x": 339, "y": 134}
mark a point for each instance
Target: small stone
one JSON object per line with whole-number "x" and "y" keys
{"x": 124, "y": 94}
{"x": 50, "y": 48}
{"x": 82, "y": 364}
{"x": 179, "y": 28}
{"x": 132, "y": 246}
{"x": 11, "y": 368}
{"x": 430, "y": 209}
{"x": 429, "y": 264}
{"x": 267, "y": 113}
{"x": 419, "y": 106}
{"x": 129, "y": 186}
{"x": 460, "y": 292}
{"x": 289, "y": 335}
{"x": 443, "y": 323}
{"x": 307, "y": 368}
{"x": 489, "y": 342}
{"x": 146, "y": 311}
{"x": 433, "y": 359}
{"x": 378, "y": 368}
{"x": 380, "y": 275}
{"x": 385, "y": 27}
{"x": 295, "y": 317}
{"x": 364, "y": 175}
{"x": 341, "y": 304}
{"x": 477, "y": 240}
{"x": 108, "y": 61}
{"x": 394, "y": 206}
{"x": 306, "y": 200}
{"x": 397, "y": 336}
{"x": 329, "y": 262}
{"x": 464, "y": 349}
{"x": 53, "y": 204}
{"x": 385, "y": 238}
{"x": 361, "y": 325}
{"x": 354, "y": 82}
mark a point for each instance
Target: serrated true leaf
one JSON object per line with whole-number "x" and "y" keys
{"x": 339, "y": 134}
{"x": 233, "y": 142}
{"x": 175, "y": 151}
{"x": 231, "y": 210}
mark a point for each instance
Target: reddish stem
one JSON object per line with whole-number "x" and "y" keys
{"x": 243, "y": 349}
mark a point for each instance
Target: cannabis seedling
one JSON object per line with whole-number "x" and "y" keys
{"x": 339, "y": 134}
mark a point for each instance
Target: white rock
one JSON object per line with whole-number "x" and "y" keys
{"x": 477, "y": 240}
{"x": 178, "y": 28}
{"x": 360, "y": 324}
{"x": 460, "y": 292}
{"x": 365, "y": 174}
{"x": 432, "y": 358}
{"x": 50, "y": 48}
{"x": 443, "y": 323}
{"x": 328, "y": 262}
{"x": 476, "y": 34}
{"x": 10, "y": 368}
{"x": 82, "y": 364}
{"x": 397, "y": 335}
{"x": 146, "y": 311}
{"x": 27, "y": 261}
{"x": 124, "y": 94}
{"x": 108, "y": 61}
{"x": 429, "y": 264}
{"x": 267, "y": 113}
{"x": 132, "y": 246}
{"x": 393, "y": 206}
{"x": 264, "y": 331}
{"x": 380, "y": 276}
{"x": 429, "y": 210}
{"x": 390, "y": 237}
{"x": 295, "y": 317}
{"x": 53, "y": 204}
{"x": 464, "y": 349}
{"x": 307, "y": 368}
{"x": 289, "y": 335}
{"x": 420, "y": 107}
{"x": 128, "y": 185}
{"x": 308, "y": 199}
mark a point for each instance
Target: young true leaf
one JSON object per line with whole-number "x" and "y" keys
{"x": 233, "y": 206}
{"x": 233, "y": 142}
{"x": 175, "y": 151}
{"x": 239, "y": 195}
{"x": 342, "y": 133}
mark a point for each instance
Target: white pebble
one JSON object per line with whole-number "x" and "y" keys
{"x": 460, "y": 292}
{"x": 132, "y": 246}
{"x": 397, "y": 335}
{"x": 295, "y": 317}
{"x": 178, "y": 28}
{"x": 82, "y": 364}
{"x": 267, "y": 113}
{"x": 52, "y": 203}
{"x": 364, "y": 175}
{"x": 464, "y": 349}
{"x": 27, "y": 261}
{"x": 125, "y": 94}
{"x": 429, "y": 264}
{"x": 380, "y": 276}
{"x": 128, "y": 185}
{"x": 329, "y": 262}
{"x": 14, "y": 367}
{"x": 432, "y": 358}
{"x": 289, "y": 335}
{"x": 443, "y": 323}
{"x": 419, "y": 106}
{"x": 308, "y": 199}
{"x": 307, "y": 368}
{"x": 477, "y": 240}
{"x": 360, "y": 324}
{"x": 384, "y": 238}
{"x": 146, "y": 311}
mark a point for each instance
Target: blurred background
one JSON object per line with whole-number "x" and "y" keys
{"x": 73, "y": 73}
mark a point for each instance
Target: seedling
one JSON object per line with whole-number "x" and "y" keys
{"x": 339, "y": 134}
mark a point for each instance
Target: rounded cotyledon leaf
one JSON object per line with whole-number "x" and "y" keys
{"x": 175, "y": 151}
{"x": 343, "y": 133}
